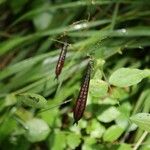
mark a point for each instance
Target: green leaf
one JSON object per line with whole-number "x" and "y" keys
{"x": 124, "y": 77}
{"x": 88, "y": 143}
{"x": 122, "y": 119}
{"x": 96, "y": 146}
{"x": 98, "y": 88}
{"x": 119, "y": 93}
{"x": 31, "y": 99}
{"x": 142, "y": 120}
{"x": 10, "y": 100}
{"x": 108, "y": 101}
{"x": 98, "y": 74}
{"x": 100, "y": 63}
{"x": 95, "y": 129}
{"x": 50, "y": 116}
{"x": 113, "y": 133}
{"x": 7, "y": 127}
{"x": 73, "y": 140}
{"x": 109, "y": 115}
{"x": 37, "y": 130}
{"x": 59, "y": 141}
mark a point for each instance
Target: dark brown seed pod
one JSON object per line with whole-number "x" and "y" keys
{"x": 61, "y": 60}
{"x": 82, "y": 97}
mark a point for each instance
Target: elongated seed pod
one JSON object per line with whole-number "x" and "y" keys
{"x": 82, "y": 97}
{"x": 61, "y": 60}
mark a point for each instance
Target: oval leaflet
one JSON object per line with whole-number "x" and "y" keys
{"x": 37, "y": 130}
{"x": 125, "y": 77}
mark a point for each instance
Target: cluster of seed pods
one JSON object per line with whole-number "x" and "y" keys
{"x": 83, "y": 93}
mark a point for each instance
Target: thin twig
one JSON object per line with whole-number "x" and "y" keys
{"x": 58, "y": 104}
{"x": 140, "y": 140}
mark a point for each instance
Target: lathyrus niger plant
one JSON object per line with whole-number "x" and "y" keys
{"x": 36, "y": 111}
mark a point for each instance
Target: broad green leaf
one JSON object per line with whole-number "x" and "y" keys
{"x": 108, "y": 101}
{"x": 99, "y": 63}
{"x": 113, "y": 133}
{"x": 37, "y": 130}
{"x": 59, "y": 141}
{"x": 95, "y": 129}
{"x": 125, "y": 77}
{"x": 122, "y": 119}
{"x": 75, "y": 129}
{"x": 88, "y": 143}
{"x": 98, "y": 88}
{"x": 73, "y": 140}
{"x": 119, "y": 93}
{"x": 98, "y": 74}
{"x": 31, "y": 99}
{"x": 109, "y": 114}
{"x": 142, "y": 120}
{"x": 50, "y": 115}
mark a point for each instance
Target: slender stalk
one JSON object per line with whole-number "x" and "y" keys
{"x": 114, "y": 16}
{"x": 140, "y": 140}
{"x": 58, "y": 104}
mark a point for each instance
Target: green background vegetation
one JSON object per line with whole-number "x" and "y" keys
{"x": 115, "y": 33}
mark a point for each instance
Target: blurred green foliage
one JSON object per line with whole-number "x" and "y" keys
{"x": 33, "y": 112}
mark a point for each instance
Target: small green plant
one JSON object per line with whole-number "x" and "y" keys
{"x": 36, "y": 112}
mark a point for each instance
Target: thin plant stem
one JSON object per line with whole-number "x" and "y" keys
{"x": 58, "y": 104}
{"x": 140, "y": 140}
